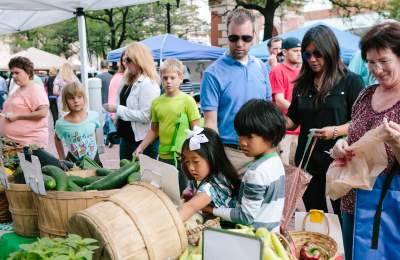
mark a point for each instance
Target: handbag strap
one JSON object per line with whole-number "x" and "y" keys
{"x": 310, "y": 137}
{"x": 378, "y": 213}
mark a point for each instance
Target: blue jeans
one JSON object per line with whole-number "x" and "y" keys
{"x": 127, "y": 147}
{"x": 348, "y": 228}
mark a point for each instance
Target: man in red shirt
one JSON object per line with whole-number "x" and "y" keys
{"x": 281, "y": 78}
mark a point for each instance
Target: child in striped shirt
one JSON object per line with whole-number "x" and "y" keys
{"x": 260, "y": 127}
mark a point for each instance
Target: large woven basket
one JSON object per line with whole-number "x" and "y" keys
{"x": 5, "y": 215}
{"x": 326, "y": 243}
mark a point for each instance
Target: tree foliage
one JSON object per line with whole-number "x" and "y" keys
{"x": 344, "y": 8}
{"x": 112, "y": 28}
{"x": 394, "y": 9}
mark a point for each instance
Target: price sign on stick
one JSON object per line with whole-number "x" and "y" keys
{"x": 32, "y": 173}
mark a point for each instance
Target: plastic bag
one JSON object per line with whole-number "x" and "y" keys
{"x": 361, "y": 172}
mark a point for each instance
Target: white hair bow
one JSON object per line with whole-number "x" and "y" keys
{"x": 196, "y": 138}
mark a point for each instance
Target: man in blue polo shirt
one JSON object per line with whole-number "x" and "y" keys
{"x": 231, "y": 81}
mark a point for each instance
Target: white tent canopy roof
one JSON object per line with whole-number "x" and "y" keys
{"x": 21, "y": 15}
{"x": 42, "y": 60}
{"x": 24, "y": 15}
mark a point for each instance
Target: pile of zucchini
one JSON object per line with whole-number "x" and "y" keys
{"x": 105, "y": 179}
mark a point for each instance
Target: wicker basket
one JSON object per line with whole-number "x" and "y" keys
{"x": 326, "y": 243}
{"x": 194, "y": 233}
{"x": 5, "y": 215}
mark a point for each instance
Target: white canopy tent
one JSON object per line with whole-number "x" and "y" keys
{"x": 22, "y": 15}
{"x": 42, "y": 60}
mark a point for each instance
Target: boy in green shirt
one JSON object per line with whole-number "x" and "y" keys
{"x": 171, "y": 114}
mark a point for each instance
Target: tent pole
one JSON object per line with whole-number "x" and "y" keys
{"x": 80, "y": 16}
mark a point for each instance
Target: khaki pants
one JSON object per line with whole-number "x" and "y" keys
{"x": 238, "y": 159}
{"x": 287, "y": 148}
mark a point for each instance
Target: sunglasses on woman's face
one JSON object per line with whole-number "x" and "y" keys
{"x": 307, "y": 55}
{"x": 235, "y": 38}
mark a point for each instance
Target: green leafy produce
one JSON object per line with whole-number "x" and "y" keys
{"x": 116, "y": 179}
{"x": 49, "y": 182}
{"x": 72, "y": 247}
{"x": 87, "y": 163}
{"x": 58, "y": 175}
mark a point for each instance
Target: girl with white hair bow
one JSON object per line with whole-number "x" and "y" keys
{"x": 214, "y": 181}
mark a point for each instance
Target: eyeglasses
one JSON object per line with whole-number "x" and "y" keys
{"x": 378, "y": 64}
{"x": 317, "y": 54}
{"x": 127, "y": 60}
{"x": 235, "y": 38}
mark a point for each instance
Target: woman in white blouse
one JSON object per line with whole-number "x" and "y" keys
{"x": 134, "y": 98}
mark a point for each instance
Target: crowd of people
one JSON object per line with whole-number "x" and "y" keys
{"x": 257, "y": 117}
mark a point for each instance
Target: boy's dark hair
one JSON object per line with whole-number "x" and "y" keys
{"x": 214, "y": 153}
{"x": 262, "y": 118}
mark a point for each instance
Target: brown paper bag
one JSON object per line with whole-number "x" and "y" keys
{"x": 361, "y": 172}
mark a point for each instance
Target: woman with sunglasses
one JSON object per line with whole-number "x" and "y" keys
{"x": 140, "y": 88}
{"x": 321, "y": 104}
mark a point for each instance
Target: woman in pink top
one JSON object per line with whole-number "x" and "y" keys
{"x": 24, "y": 118}
{"x": 116, "y": 81}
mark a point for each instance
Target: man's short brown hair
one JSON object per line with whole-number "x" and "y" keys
{"x": 240, "y": 15}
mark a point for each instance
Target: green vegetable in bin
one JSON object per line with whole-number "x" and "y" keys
{"x": 49, "y": 182}
{"x": 134, "y": 177}
{"x": 72, "y": 186}
{"x": 58, "y": 175}
{"x": 116, "y": 179}
{"x": 103, "y": 172}
{"x": 124, "y": 162}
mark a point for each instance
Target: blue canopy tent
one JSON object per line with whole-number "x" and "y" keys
{"x": 348, "y": 42}
{"x": 169, "y": 46}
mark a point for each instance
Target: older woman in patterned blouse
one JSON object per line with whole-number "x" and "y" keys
{"x": 376, "y": 105}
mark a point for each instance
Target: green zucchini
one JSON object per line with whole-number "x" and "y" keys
{"x": 58, "y": 175}
{"x": 103, "y": 172}
{"x": 123, "y": 162}
{"x": 49, "y": 182}
{"x": 84, "y": 181}
{"x": 72, "y": 186}
{"x": 116, "y": 179}
{"x": 134, "y": 177}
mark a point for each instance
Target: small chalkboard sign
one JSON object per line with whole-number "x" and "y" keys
{"x": 220, "y": 244}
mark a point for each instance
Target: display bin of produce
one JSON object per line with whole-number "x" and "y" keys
{"x": 5, "y": 215}
{"x": 138, "y": 222}
{"x": 23, "y": 208}
{"x": 57, "y": 207}
{"x": 313, "y": 245}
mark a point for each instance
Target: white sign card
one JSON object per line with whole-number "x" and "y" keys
{"x": 32, "y": 173}
{"x": 160, "y": 175}
{"x": 219, "y": 244}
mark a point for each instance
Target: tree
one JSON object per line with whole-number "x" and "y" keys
{"x": 112, "y": 28}
{"x": 394, "y": 9}
{"x": 344, "y": 8}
